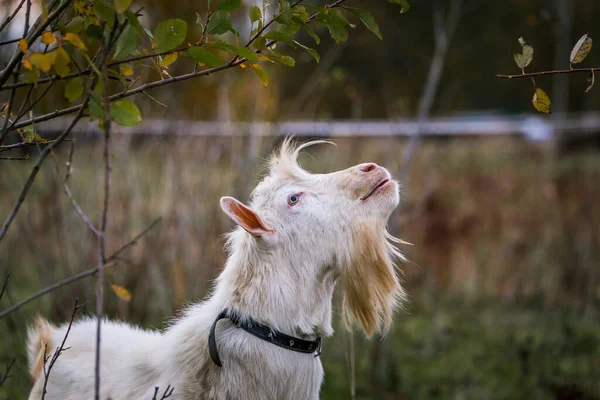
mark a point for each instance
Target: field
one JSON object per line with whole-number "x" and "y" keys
{"x": 503, "y": 272}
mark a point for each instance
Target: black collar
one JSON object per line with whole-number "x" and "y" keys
{"x": 262, "y": 332}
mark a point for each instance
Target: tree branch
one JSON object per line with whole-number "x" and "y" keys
{"x": 6, "y": 373}
{"x": 12, "y": 16}
{"x": 4, "y": 286}
{"x": 81, "y": 275}
{"x": 553, "y": 72}
{"x": 58, "y": 351}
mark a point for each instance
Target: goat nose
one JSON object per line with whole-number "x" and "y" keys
{"x": 368, "y": 167}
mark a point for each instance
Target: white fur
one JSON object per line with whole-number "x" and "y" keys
{"x": 284, "y": 279}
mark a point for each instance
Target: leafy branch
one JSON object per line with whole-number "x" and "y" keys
{"x": 541, "y": 101}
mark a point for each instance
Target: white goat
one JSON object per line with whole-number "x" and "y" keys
{"x": 300, "y": 235}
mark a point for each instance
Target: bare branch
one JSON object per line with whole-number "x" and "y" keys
{"x": 24, "y": 144}
{"x": 59, "y": 350}
{"x": 81, "y": 275}
{"x": 553, "y": 72}
{"x": 12, "y": 16}
{"x": 4, "y": 285}
{"x": 6, "y": 375}
{"x": 15, "y": 158}
{"x": 166, "y": 394}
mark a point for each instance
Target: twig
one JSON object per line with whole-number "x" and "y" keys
{"x": 166, "y": 394}
{"x": 4, "y": 286}
{"x": 12, "y": 16}
{"x": 58, "y": 351}
{"x": 14, "y": 158}
{"x": 7, "y": 116}
{"x": 81, "y": 275}
{"x": 6, "y": 373}
{"x": 553, "y": 72}
{"x": 24, "y": 144}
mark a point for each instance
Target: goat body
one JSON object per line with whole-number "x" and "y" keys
{"x": 301, "y": 234}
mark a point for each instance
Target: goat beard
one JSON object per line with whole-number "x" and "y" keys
{"x": 371, "y": 289}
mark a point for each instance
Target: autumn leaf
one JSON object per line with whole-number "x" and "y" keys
{"x": 541, "y": 101}
{"x": 581, "y": 49}
{"x": 262, "y": 74}
{"x": 168, "y": 59}
{"x": 43, "y": 61}
{"x": 27, "y": 64}
{"x": 126, "y": 69}
{"x": 121, "y": 292}
{"x": 48, "y": 38}
{"x": 524, "y": 59}
{"x": 23, "y": 46}
{"x": 75, "y": 40}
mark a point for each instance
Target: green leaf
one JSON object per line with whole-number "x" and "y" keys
{"x": 312, "y": 52}
{"x": 367, "y": 19}
{"x": 280, "y": 37}
{"x": 125, "y": 113}
{"x": 95, "y": 108}
{"x": 581, "y": 49}
{"x": 255, "y": 14}
{"x": 240, "y": 51}
{"x": 285, "y": 13}
{"x": 74, "y": 89}
{"x": 30, "y": 76}
{"x": 61, "y": 62}
{"x": 199, "y": 21}
{"x": 228, "y": 5}
{"x": 541, "y": 101}
{"x": 403, "y": 4}
{"x": 76, "y": 25}
{"x": 94, "y": 33}
{"x": 105, "y": 11}
{"x": 127, "y": 43}
{"x": 335, "y": 22}
{"x": 220, "y": 23}
{"x": 169, "y": 34}
{"x": 262, "y": 74}
{"x": 285, "y": 60}
{"x": 312, "y": 34}
{"x": 29, "y": 132}
{"x": 122, "y": 5}
{"x": 260, "y": 43}
{"x": 135, "y": 23}
{"x": 203, "y": 56}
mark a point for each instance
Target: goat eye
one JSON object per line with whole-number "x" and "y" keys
{"x": 293, "y": 199}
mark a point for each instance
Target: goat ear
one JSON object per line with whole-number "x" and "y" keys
{"x": 244, "y": 217}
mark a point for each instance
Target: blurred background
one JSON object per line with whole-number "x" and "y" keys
{"x": 499, "y": 203}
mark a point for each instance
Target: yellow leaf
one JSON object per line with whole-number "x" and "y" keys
{"x": 121, "y": 292}
{"x": 262, "y": 74}
{"x": 541, "y": 101}
{"x": 74, "y": 39}
{"x": 581, "y": 49}
{"x": 23, "y": 46}
{"x": 168, "y": 59}
{"x": 43, "y": 61}
{"x": 48, "y": 38}
{"x": 126, "y": 69}
{"x": 27, "y": 64}
{"x": 61, "y": 63}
